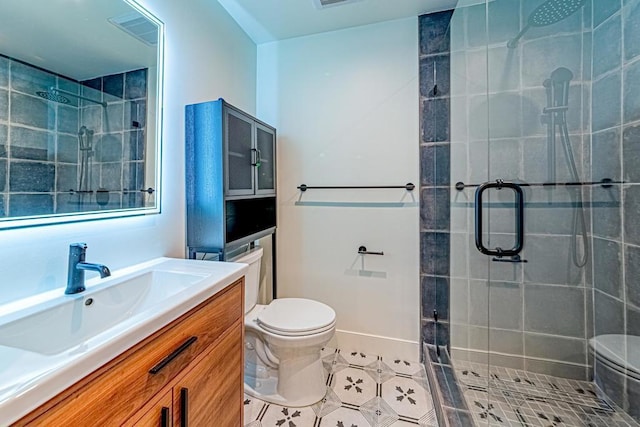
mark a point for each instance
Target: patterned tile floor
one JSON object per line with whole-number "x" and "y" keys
{"x": 520, "y": 398}
{"x": 362, "y": 391}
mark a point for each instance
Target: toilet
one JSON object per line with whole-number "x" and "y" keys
{"x": 282, "y": 343}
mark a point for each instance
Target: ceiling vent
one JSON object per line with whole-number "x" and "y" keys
{"x": 138, "y": 26}
{"x": 323, "y": 4}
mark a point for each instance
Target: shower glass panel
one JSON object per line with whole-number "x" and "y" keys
{"x": 544, "y": 96}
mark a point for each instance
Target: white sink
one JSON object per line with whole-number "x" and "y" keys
{"x": 70, "y": 323}
{"x": 51, "y": 341}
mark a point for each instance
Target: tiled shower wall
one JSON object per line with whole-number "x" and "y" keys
{"x": 532, "y": 316}
{"x": 39, "y": 151}
{"x": 434, "y": 176}
{"x": 616, "y": 154}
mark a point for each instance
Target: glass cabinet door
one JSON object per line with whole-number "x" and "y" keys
{"x": 265, "y": 168}
{"x": 239, "y": 154}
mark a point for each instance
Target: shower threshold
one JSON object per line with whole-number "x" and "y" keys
{"x": 513, "y": 397}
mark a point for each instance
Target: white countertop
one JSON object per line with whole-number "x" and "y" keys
{"x": 29, "y": 379}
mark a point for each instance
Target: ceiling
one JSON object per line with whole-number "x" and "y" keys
{"x": 71, "y": 37}
{"x": 270, "y": 20}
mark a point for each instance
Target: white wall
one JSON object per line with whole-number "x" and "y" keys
{"x": 207, "y": 56}
{"x": 345, "y": 104}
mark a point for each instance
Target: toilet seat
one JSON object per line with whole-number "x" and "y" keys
{"x": 296, "y": 317}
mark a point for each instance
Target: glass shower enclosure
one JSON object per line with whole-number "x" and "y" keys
{"x": 545, "y": 211}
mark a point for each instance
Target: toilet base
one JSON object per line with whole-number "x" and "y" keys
{"x": 303, "y": 385}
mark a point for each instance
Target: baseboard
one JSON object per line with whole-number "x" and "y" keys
{"x": 374, "y": 344}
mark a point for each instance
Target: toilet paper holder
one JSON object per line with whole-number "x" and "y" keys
{"x": 362, "y": 250}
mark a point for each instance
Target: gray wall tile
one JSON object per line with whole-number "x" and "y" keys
{"x": 541, "y": 57}
{"x": 632, "y": 273}
{"x": 109, "y": 148}
{"x": 504, "y": 112}
{"x": 68, "y": 119}
{"x": 32, "y": 111}
{"x": 66, "y": 177}
{"x": 603, "y": 10}
{"x": 91, "y": 117}
{"x": 557, "y": 369}
{"x": 633, "y": 320}
{"x": 609, "y": 314}
{"x": 4, "y": 104}
{"x": 3, "y": 140}
{"x": 554, "y": 310}
{"x": 605, "y": 110}
{"x": 632, "y": 30}
{"x": 607, "y": 267}
{"x": 4, "y": 72}
{"x": 30, "y": 144}
{"x": 434, "y": 249}
{"x": 631, "y": 217}
{"x": 135, "y": 84}
{"x": 498, "y": 303}
{"x": 549, "y": 261}
{"x": 31, "y": 177}
{"x": 631, "y": 147}
{"x": 607, "y": 219}
{"x": 606, "y": 149}
{"x": 554, "y": 347}
{"x": 29, "y": 80}
{"x": 30, "y": 204}
{"x": 113, "y": 117}
{"x": 607, "y": 46}
{"x": 438, "y": 67}
{"x": 3, "y": 174}
{"x": 67, "y": 150}
{"x": 632, "y": 93}
{"x": 134, "y": 145}
{"x": 434, "y": 37}
{"x": 435, "y": 120}
{"x": 111, "y": 176}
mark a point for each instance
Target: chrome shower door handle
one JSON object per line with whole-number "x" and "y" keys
{"x": 519, "y": 228}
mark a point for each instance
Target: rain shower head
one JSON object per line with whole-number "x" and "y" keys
{"x": 548, "y": 13}
{"x": 53, "y": 96}
{"x": 61, "y": 96}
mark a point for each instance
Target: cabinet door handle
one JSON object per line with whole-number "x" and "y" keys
{"x": 175, "y": 353}
{"x": 258, "y": 157}
{"x": 165, "y": 418}
{"x": 184, "y": 407}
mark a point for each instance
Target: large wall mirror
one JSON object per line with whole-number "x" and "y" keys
{"x": 80, "y": 110}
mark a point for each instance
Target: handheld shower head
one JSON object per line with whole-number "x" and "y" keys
{"x": 548, "y": 13}
{"x": 558, "y": 87}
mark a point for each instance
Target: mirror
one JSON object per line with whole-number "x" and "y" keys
{"x": 80, "y": 110}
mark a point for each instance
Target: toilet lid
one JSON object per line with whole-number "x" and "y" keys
{"x": 290, "y": 315}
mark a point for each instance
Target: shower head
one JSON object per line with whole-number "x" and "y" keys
{"x": 557, "y": 87}
{"x": 53, "y": 96}
{"x": 548, "y": 13}
{"x": 61, "y": 96}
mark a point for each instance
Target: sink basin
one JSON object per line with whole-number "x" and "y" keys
{"x": 51, "y": 340}
{"x": 70, "y": 323}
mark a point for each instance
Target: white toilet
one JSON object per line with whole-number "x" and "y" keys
{"x": 283, "y": 342}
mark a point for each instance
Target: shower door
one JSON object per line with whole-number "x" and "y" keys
{"x": 521, "y": 306}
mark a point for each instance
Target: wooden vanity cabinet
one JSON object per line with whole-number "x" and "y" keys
{"x": 188, "y": 374}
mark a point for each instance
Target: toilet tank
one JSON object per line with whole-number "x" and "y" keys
{"x": 252, "y": 277}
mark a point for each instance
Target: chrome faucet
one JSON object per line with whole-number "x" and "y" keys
{"x": 77, "y": 267}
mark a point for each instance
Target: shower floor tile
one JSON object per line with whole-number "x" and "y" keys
{"x": 511, "y": 397}
{"x": 363, "y": 390}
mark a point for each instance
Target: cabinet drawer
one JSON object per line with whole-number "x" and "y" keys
{"x": 114, "y": 392}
